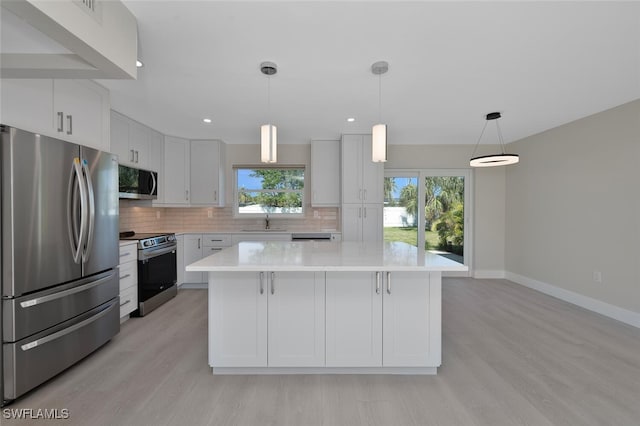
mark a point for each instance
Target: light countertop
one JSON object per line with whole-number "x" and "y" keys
{"x": 324, "y": 256}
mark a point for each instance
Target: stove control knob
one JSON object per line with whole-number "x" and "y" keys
{"x": 147, "y": 243}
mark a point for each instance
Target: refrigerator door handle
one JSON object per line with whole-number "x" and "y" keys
{"x": 76, "y": 237}
{"x": 92, "y": 211}
{"x": 65, "y": 293}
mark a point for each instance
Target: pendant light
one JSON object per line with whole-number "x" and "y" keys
{"x": 268, "y": 132}
{"x": 379, "y": 131}
{"x": 493, "y": 160}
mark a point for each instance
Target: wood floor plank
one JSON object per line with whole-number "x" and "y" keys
{"x": 511, "y": 356}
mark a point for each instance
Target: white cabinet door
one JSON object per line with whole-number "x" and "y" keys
{"x": 372, "y": 175}
{"x": 354, "y": 320}
{"x": 26, "y": 104}
{"x": 72, "y": 110}
{"x": 176, "y": 170}
{"x": 412, "y": 319}
{"x": 352, "y": 222}
{"x": 180, "y": 259}
{"x": 84, "y": 106}
{"x": 325, "y": 173}
{"x": 372, "y": 226}
{"x": 139, "y": 140}
{"x": 120, "y": 138}
{"x": 237, "y": 320}
{"x": 193, "y": 253}
{"x": 296, "y": 319}
{"x": 207, "y": 172}
{"x": 351, "y": 166}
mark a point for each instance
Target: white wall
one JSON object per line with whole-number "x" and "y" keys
{"x": 573, "y": 207}
{"x": 489, "y": 197}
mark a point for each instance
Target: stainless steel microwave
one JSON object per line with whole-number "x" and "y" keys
{"x": 137, "y": 183}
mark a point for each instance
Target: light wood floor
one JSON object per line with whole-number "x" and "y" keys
{"x": 511, "y": 356}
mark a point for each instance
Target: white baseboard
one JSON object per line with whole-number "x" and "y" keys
{"x": 623, "y": 315}
{"x": 488, "y": 274}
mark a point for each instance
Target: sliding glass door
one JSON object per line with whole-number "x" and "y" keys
{"x": 430, "y": 208}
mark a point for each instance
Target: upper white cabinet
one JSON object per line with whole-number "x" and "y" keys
{"x": 325, "y": 173}
{"x": 362, "y": 190}
{"x": 176, "y": 171}
{"x": 362, "y": 179}
{"x": 72, "y": 110}
{"x": 207, "y": 173}
{"x": 131, "y": 141}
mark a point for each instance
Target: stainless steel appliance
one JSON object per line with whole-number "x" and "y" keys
{"x": 137, "y": 183}
{"x": 59, "y": 256}
{"x": 157, "y": 270}
{"x": 311, "y": 236}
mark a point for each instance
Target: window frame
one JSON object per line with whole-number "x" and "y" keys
{"x": 236, "y": 204}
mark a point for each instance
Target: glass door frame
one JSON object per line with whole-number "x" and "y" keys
{"x": 421, "y": 174}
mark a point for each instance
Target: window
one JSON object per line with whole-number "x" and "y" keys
{"x": 272, "y": 190}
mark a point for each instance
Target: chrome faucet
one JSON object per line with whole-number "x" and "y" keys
{"x": 266, "y": 222}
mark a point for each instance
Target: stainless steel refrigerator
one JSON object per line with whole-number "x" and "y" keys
{"x": 59, "y": 256}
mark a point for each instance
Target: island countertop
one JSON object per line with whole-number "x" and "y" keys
{"x": 324, "y": 256}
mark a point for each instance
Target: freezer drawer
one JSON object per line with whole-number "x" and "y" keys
{"x": 30, "y": 314}
{"x": 34, "y": 360}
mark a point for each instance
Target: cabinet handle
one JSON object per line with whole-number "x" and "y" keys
{"x": 198, "y": 242}
{"x": 360, "y": 194}
{"x": 186, "y": 194}
{"x": 132, "y": 155}
{"x": 60, "y": 121}
{"x": 377, "y": 282}
{"x": 365, "y": 212}
{"x": 215, "y": 195}
{"x": 359, "y": 212}
{"x": 273, "y": 283}
{"x": 127, "y": 302}
{"x": 125, "y": 276}
{"x": 70, "y": 122}
{"x": 126, "y": 254}
{"x": 365, "y": 195}
{"x": 216, "y": 248}
{"x": 261, "y": 282}
{"x": 388, "y": 282}
{"x": 136, "y": 156}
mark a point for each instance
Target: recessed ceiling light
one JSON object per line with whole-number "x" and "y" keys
{"x": 206, "y": 120}
{"x": 139, "y": 63}
{"x": 351, "y": 119}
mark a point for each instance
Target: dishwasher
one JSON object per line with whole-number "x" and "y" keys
{"x": 311, "y": 236}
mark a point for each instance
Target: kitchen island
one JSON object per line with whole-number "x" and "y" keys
{"x": 324, "y": 307}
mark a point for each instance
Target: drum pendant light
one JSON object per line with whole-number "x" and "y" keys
{"x": 493, "y": 160}
{"x": 268, "y": 132}
{"x": 379, "y": 131}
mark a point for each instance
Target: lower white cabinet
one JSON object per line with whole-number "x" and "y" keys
{"x": 128, "y": 278}
{"x": 389, "y": 319}
{"x": 261, "y": 319}
{"x": 192, "y": 253}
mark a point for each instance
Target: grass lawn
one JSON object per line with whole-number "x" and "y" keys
{"x": 410, "y": 236}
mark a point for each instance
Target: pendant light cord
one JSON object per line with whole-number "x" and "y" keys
{"x": 269, "y": 99}
{"x": 478, "y": 143}
{"x": 379, "y": 98}
{"x": 500, "y": 138}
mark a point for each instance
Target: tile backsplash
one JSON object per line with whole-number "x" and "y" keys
{"x": 140, "y": 218}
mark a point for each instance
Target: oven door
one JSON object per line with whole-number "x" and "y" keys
{"x": 157, "y": 276}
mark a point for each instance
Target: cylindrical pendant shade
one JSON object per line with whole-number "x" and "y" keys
{"x": 379, "y": 143}
{"x": 269, "y": 143}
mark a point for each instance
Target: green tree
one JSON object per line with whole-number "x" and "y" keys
{"x": 278, "y": 180}
{"x": 389, "y": 188}
{"x": 409, "y": 200}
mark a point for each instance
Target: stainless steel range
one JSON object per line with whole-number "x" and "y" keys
{"x": 157, "y": 269}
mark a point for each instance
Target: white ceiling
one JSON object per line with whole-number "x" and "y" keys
{"x": 541, "y": 64}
